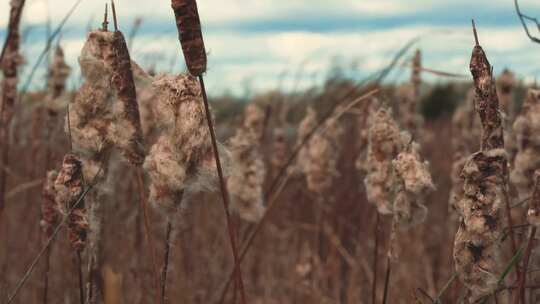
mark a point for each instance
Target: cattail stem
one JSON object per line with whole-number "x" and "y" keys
{"x": 224, "y": 192}
{"x": 80, "y": 274}
{"x": 375, "y": 258}
{"x": 46, "y": 276}
{"x": 147, "y": 230}
{"x": 523, "y": 278}
{"x": 387, "y": 279}
{"x": 165, "y": 268}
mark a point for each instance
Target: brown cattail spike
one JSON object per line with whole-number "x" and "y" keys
{"x": 477, "y": 246}
{"x": 122, "y": 80}
{"x": 114, "y": 16}
{"x": 105, "y": 24}
{"x": 486, "y": 100}
{"x": 69, "y": 188}
{"x": 190, "y": 35}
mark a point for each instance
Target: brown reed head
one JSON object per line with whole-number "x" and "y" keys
{"x": 49, "y": 211}
{"x": 190, "y": 35}
{"x": 69, "y": 188}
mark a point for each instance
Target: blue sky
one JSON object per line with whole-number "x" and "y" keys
{"x": 255, "y": 43}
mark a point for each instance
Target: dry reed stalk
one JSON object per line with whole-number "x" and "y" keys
{"x": 533, "y": 217}
{"x": 191, "y": 39}
{"x": 477, "y": 242}
{"x": 280, "y": 149}
{"x": 527, "y": 159}
{"x": 9, "y": 62}
{"x": 533, "y": 214}
{"x": 49, "y": 220}
{"x": 246, "y": 181}
{"x": 416, "y": 73}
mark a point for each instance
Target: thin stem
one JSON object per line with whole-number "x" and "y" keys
{"x": 80, "y": 274}
{"x": 387, "y": 279}
{"x": 224, "y": 192}
{"x": 375, "y": 259}
{"x": 148, "y": 230}
{"x": 165, "y": 268}
{"x": 46, "y": 276}
{"x": 522, "y": 280}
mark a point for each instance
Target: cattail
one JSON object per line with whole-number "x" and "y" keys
{"x": 248, "y": 172}
{"x": 306, "y": 126}
{"x": 69, "y": 188}
{"x": 128, "y": 124}
{"x": 416, "y": 73}
{"x": 9, "y": 62}
{"x": 103, "y": 116}
{"x": 527, "y": 159}
{"x": 385, "y": 142}
{"x": 280, "y": 149}
{"x": 364, "y": 120}
{"x": 190, "y": 35}
{"x": 477, "y": 243}
{"x": 505, "y": 86}
{"x": 49, "y": 208}
{"x": 98, "y": 121}
{"x": 58, "y": 73}
{"x": 322, "y": 154}
{"x": 181, "y": 158}
{"x": 414, "y": 183}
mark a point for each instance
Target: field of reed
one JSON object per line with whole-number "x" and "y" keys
{"x": 137, "y": 188}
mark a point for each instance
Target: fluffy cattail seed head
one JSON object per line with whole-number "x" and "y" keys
{"x": 190, "y": 35}
{"x": 385, "y": 142}
{"x": 247, "y": 177}
{"x": 415, "y": 182}
{"x": 180, "y": 159}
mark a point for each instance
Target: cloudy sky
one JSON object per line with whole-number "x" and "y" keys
{"x": 256, "y": 45}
